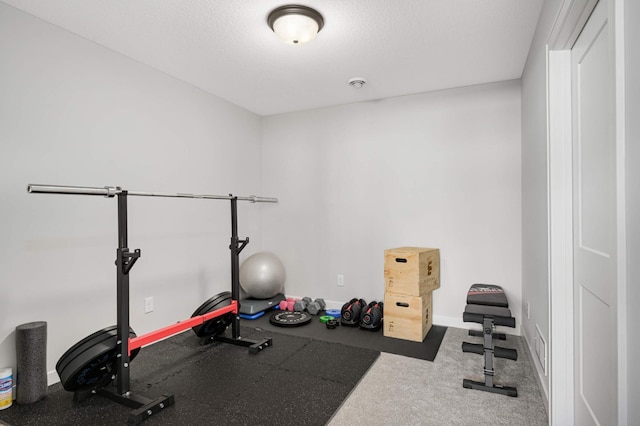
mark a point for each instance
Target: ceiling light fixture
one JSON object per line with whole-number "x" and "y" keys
{"x": 295, "y": 24}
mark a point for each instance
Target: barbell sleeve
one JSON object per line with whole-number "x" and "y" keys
{"x": 107, "y": 191}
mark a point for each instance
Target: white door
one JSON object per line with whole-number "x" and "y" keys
{"x": 594, "y": 217}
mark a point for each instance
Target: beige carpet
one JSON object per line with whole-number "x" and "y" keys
{"x": 408, "y": 391}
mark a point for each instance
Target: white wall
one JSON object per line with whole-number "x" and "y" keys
{"x": 74, "y": 113}
{"x": 440, "y": 169}
{"x": 535, "y": 243}
{"x": 535, "y": 283}
{"x": 632, "y": 76}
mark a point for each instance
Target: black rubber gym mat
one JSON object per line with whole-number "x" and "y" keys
{"x": 354, "y": 336}
{"x": 296, "y": 381}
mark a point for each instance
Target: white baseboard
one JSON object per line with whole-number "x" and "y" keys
{"x": 443, "y": 320}
{"x": 539, "y": 371}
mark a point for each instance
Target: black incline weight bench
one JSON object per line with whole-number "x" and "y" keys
{"x": 487, "y": 305}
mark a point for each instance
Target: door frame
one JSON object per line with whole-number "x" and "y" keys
{"x": 571, "y": 18}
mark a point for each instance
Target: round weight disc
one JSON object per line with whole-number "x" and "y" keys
{"x": 333, "y": 313}
{"x": 290, "y": 319}
{"x": 216, "y": 325}
{"x": 91, "y": 362}
{"x": 83, "y": 345}
{"x": 332, "y": 324}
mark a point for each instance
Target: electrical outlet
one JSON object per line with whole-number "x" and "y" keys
{"x": 340, "y": 280}
{"x": 148, "y": 305}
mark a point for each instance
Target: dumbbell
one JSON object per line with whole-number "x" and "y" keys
{"x": 287, "y": 305}
{"x": 315, "y": 307}
{"x": 352, "y": 311}
{"x": 305, "y": 304}
{"x": 300, "y": 305}
{"x": 372, "y": 315}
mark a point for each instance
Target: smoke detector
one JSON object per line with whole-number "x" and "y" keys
{"x": 357, "y": 82}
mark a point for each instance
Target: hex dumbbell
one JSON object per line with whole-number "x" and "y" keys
{"x": 300, "y": 305}
{"x": 317, "y": 306}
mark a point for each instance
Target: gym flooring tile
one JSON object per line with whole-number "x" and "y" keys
{"x": 296, "y": 380}
{"x": 354, "y": 336}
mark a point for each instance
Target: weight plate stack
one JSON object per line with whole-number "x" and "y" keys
{"x": 218, "y": 325}
{"x": 336, "y": 313}
{"x": 290, "y": 319}
{"x": 90, "y": 363}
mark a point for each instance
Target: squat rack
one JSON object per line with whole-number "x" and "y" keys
{"x": 125, "y": 259}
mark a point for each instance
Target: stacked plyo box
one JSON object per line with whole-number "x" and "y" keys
{"x": 410, "y": 275}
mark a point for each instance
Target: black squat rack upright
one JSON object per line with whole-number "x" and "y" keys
{"x": 91, "y": 366}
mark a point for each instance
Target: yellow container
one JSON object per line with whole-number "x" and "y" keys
{"x": 6, "y": 388}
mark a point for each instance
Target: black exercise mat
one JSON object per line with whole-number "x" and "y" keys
{"x": 354, "y": 336}
{"x": 297, "y": 380}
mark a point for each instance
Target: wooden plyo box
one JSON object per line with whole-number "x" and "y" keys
{"x": 407, "y": 317}
{"x": 411, "y": 270}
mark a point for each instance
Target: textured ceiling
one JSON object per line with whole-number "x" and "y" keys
{"x": 226, "y": 48}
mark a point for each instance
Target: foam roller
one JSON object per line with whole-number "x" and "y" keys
{"x": 31, "y": 357}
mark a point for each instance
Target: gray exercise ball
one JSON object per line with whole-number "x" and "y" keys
{"x": 262, "y": 275}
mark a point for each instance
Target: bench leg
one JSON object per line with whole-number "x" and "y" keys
{"x": 504, "y": 390}
{"x": 488, "y": 385}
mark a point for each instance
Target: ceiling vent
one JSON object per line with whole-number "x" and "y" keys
{"x": 357, "y": 82}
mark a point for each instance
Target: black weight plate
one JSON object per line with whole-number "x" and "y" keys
{"x": 86, "y": 344}
{"x": 91, "y": 362}
{"x": 82, "y": 346}
{"x": 290, "y": 319}
{"x": 216, "y": 325}
{"x": 206, "y": 306}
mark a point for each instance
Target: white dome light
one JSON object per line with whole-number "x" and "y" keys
{"x": 295, "y": 24}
